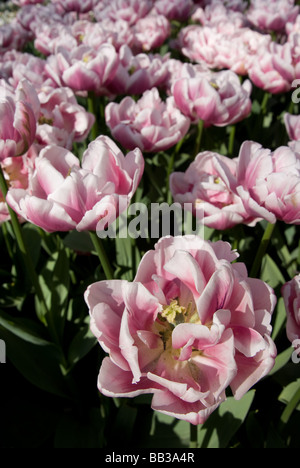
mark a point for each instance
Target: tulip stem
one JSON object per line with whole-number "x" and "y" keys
{"x": 193, "y": 436}
{"x": 171, "y": 167}
{"x": 262, "y": 249}
{"x": 102, "y": 255}
{"x": 23, "y": 249}
{"x": 264, "y": 104}
{"x": 92, "y": 108}
{"x": 199, "y": 137}
{"x": 231, "y": 140}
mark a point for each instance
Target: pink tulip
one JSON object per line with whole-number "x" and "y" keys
{"x": 291, "y": 295}
{"x": 272, "y": 15}
{"x": 273, "y": 68}
{"x": 17, "y": 172}
{"x": 208, "y": 185}
{"x": 216, "y": 14}
{"x": 218, "y": 99}
{"x": 48, "y": 38}
{"x": 32, "y": 16}
{"x": 84, "y": 69}
{"x": 138, "y": 73}
{"x": 17, "y": 120}
{"x": 199, "y": 44}
{"x": 65, "y": 196}
{"x": 179, "y": 10}
{"x": 81, "y": 6}
{"x": 269, "y": 183}
{"x": 62, "y": 120}
{"x": 238, "y": 49}
{"x": 128, "y": 10}
{"x": 12, "y": 36}
{"x": 149, "y": 124}
{"x": 23, "y": 66}
{"x": 151, "y": 32}
{"x": 292, "y": 125}
{"x": 21, "y": 3}
{"x": 189, "y": 326}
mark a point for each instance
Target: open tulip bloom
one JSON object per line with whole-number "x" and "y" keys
{"x": 63, "y": 196}
{"x": 190, "y": 325}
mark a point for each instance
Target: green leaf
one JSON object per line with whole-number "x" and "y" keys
{"x": 281, "y": 360}
{"x": 25, "y": 329}
{"x": 168, "y": 432}
{"x": 289, "y": 392}
{"x": 33, "y": 241}
{"x": 222, "y": 425}
{"x": 81, "y": 344}
{"x": 270, "y": 272}
{"x": 280, "y": 319}
{"x": 39, "y": 363}
{"x": 55, "y": 282}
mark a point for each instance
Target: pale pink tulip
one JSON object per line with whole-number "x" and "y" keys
{"x": 65, "y": 196}
{"x": 17, "y": 120}
{"x": 80, "y": 6}
{"x": 17, "y": 173}
{"x": 273, "y": 68}
{"x": 48, "y": 38}
{"x": 84, "y": 69}
{"x": 138, "y": 73}
{"x": 21, "y": 3}
{"x": 24, "y": 66}
{"x": 217, "y": 14}
{"x": 208, "y": 186}
{"x": 291, "y": 295}
{"x": 62, "y": 120}
{"x": 292, "y": 125}
{"x": 269, "y": 182}
{"x": 273, "y": 14}
{"x": 178, "y": 10}
{"x": 200, "y": 44}
{"x": 128, "y": 10}
{"x": 189, "y": 326}
{"x": 218, "y": 99}
{"x": 223, "y": 46}
{"x": 149, "y": 124}
{"x": 151, "y": 32}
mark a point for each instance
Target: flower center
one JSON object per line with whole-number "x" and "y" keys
{"x": 172, "y": 315}
{"x": 43, "y": 120}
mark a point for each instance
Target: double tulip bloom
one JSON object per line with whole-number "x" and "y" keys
{"x": 259, "y": 184}
{"x": 216, "y": 98}
{"x": 17, "y": 119}
{"x": 189, "y": 326}
{"x": 63, "y": 196}
{"x": 149, "y": 124}
{"x": 291, "y": 296}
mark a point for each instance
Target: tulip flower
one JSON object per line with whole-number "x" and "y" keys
{"x": 17, "y": 120}
{"x": 189, "y": 326}
{"x": 218, "y": 99}
{"x": 291, "y": 295}
{"x": 149, "y": 124}
{"x": 64, "y": 196}
{"x": 269, "y": 182}
{"x": 208, "y": 185}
